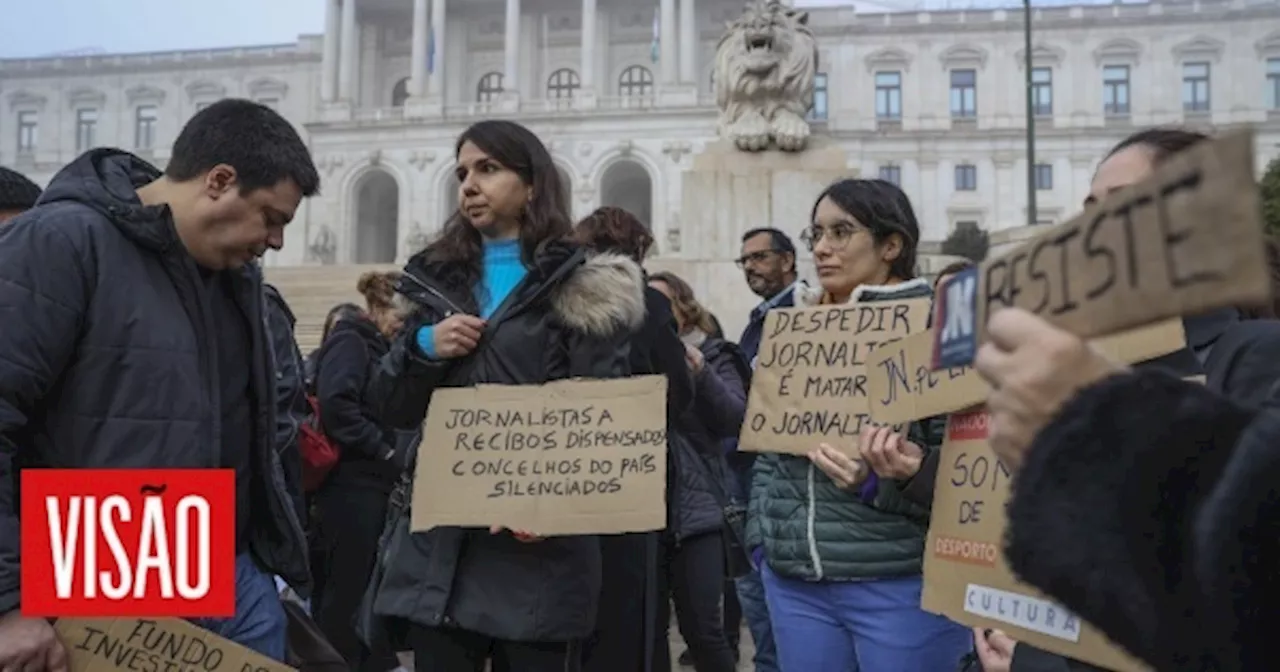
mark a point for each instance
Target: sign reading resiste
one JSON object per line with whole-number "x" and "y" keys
{"x": 128, "y": 542}
{"x": 1185, "y": 240}
{"x": 568, "y": 457}
{"x": 810, "y": 380}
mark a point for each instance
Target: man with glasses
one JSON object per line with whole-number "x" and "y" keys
{"x": 768, "y": 261}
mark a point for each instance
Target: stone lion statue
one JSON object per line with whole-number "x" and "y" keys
{"x": 765, "y": 65}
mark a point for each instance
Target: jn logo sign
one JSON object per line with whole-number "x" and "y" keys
{"x": 955, "y": 317}
{"x": 128, "y": 542}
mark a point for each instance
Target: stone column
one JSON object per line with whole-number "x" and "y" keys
{"x": 588, "y": 75}
{"x": 418, "y": 66}
{"x": 438, "y": 32}
{"x": 667, "y": 52}
{"x": 511, "y": 70}
{"x": 329, "y": 67}
{"x": 688, "y": 42}
{"x": 350, "y": 52}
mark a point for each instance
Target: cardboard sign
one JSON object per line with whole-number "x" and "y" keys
{"x": 903, "y": 386}
{"x": 1186, "y": 240}
{"x": 965, "y": 575}
{"x": 809, "y": 385}
{"x": 568, "y": 457}
{"x": 133, "y": 644}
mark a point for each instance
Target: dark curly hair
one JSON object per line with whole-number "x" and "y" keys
{"x": 611, "y": 229}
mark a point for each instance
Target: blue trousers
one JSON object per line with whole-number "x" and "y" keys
{"x": 860, "y": 626}
{"x": 756, "y": 612}
{"x": 260, "y": 623}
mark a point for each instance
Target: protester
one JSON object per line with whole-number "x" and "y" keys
{"x": 342, "y": 311}
{"x": 628, "y": 633}
{"x": 843, "y": 575}
{"x": 501, "y": 297}
{"x": 17, "y": 194}
{"x": 768, "y": 263}
{"x": 699, "y": 483}
{"x": 352, "y": 503}
{"x": 1175, "y": 464}
{"x": 142, "y": 344}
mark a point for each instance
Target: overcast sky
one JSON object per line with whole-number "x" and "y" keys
{"x": 46, "y": 27}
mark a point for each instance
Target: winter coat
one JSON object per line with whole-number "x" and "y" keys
{"x": 292, "y": 408}
{"x": 108, "y": 360}
{"x": 572, "y": 316}
{"x": 1173, "y": 485}
{"x": 698, "y": 476}
{"x": 366, "y": 447}
{"x": 813, "y": 530}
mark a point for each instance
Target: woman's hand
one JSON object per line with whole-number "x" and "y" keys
{"x": 1034, "y": 368}
{"x": 520, "y": 536}
{"x": 888, "y": 454}
{"x": 693, "y": 357}
{"x": 457, "y": 335}
{"x": 995, "y": 650}
{"x": 846, "y": 472}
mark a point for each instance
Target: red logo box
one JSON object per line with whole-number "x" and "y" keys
{"x": 105, "y": 543}
{"x": 969, "y": 425}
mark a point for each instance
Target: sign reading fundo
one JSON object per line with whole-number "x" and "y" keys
{"x": 810, "y": 381}
{"x": 1185, "y": 240}
{"x": 568, "y": 457}
{"x": 145, "y": 644}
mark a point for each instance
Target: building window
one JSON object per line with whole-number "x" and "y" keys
{"x": 86, "y": 129}
{"x": 1044, "y": 177}
{"x": 964, "y": 94}
{"x": 1115, "y": 90}
{"x": 1195, "y": 87}
{"x": 636, "y": 80}
{"x": 819, "y": 111}
{"x": 399, "y": 92}
{"x": 1273, "y": 83}
{"x": 489, "y": 88}
{"x": 28, "y": 131}
{"x": 889, "y": 96}
{"x": 891, "y": 174}
{"x": 1042, "y": 92}
{"x": 144, "y": 128}
{"x": 562, "y": 84}
{"x": 966, "y": 177}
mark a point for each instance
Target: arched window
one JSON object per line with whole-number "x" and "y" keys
{"x": 489, "y": 88}
{"x": 636, "y": 80}
{"x": 400, "y": 92}
{"x": 819, "y": 111}
{"x": 562, "y": 84}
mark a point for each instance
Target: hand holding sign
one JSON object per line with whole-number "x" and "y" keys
{"x": 30, "y": 644}
{"x": 1034, "y": 369}
{"x": 889, "y": 454}
{"x": 846, "y": 472}
{"x": 995, "y": 649}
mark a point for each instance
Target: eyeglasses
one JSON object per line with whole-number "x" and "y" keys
{"x": 839, "y": 235}
{"x": 754, "y": 258}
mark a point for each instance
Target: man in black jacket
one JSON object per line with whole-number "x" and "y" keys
{"x": 135, "y": 339}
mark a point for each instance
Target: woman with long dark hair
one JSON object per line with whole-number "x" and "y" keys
{"x": 502, "y": 296}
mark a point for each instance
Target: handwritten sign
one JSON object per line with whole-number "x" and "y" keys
{"x": 810, "y": 380}
{"x": 965, "y": 575}
{"x": 568, "y": 457}
{"x": 902, "y": 384}
{"x": 1186, "y": 240}
{"x": 132, "y": 644}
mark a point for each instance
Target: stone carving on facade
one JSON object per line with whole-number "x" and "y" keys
{"x": 585, "y": 194}
{"x": 420, "y": 159}
{"x": 585, "y": 149}
{"x": 677, "y": 149}
{"x": 625, "y": 147}
{"x": 417, "y": 238}
{"x": 764, "y": 69}
{"x": 324, "y": 246}
{"x": 330, "y": 163}
{"x": 673, "y": 232}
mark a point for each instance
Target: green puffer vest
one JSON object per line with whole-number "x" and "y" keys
{"x": 811, "y": 529}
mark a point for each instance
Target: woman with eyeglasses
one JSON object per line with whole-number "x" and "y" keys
{"x": 841, "y": 563}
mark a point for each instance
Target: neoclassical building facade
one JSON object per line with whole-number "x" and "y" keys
{"x": 622, "y": 93}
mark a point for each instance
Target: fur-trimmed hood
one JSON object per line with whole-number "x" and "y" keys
{"x": 603, "y": 296}
{"x": 811, "y": 295}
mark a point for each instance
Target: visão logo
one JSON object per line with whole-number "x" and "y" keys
{"x": 128, "y": 542}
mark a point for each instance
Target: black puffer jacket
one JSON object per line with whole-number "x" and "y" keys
{"x": 108, "y": 359}
{"x": 699, "y": 477}
{"x": 292, "y": 408}
{"x": 367, "y": 447}
{"x": 571, "y": 317}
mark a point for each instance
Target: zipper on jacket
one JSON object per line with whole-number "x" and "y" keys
{"x": 436, "y": 293}
{"x": 811, "y": 518}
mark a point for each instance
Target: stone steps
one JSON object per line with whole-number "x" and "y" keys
{"x": 313, "y": 290}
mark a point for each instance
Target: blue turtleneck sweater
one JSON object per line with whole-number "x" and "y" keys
{"x": 502, "y": 272}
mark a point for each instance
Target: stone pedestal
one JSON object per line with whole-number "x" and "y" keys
{"x": 728, "y": 192}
